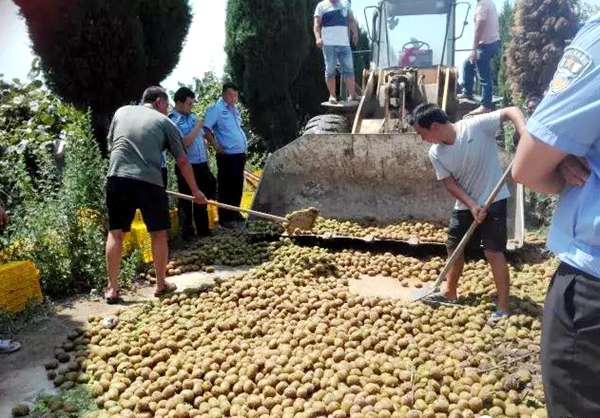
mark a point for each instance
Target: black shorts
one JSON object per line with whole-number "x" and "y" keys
{"x": 491, "y": 233}
{"x": 571, "y": 344}
{"x": 125, "y": 195}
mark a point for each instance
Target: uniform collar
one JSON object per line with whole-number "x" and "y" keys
{"x": 226, "y": 105}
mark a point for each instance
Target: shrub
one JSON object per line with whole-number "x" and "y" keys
{"x": 57, "y": 218}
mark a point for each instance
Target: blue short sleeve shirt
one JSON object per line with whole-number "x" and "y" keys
{"x": 569, "y": 119}
{"x": 196, "y": 152}
{"x": 226, "y": 123}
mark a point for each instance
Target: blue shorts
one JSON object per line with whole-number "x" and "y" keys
{"x": 334, "y": 54}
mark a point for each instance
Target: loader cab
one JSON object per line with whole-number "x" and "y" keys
{"x": 414, "y": 33}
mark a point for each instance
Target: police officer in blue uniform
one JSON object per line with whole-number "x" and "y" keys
{"x": 560, "y": 154}
{"x": 224, "y": 120}
{"x": 191, "y": 128}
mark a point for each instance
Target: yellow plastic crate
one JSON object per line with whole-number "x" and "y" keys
{"x": 19, "y": 283}
{"x": 140, "y": 238}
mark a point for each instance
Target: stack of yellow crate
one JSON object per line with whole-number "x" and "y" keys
{"x": 19, "y": 284}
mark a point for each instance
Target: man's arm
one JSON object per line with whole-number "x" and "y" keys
{"x": 210, "y": 137}
{"x": 189, "y": 139}
{"x": 317, "y": 32}
{"x": 459, "y": 193}
{"x": 188, "y": 174}
{"x": 514, "y": 115}
{"x": 536, "y": 165}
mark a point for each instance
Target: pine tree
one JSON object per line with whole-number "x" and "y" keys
{"x": 539, "y": 36}
{"x": 101, "y": 54}
{"x": 266, "y": 43}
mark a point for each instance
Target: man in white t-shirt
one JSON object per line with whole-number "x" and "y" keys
{"x": 486, "y": 44}
{"x": 465, "y": 159}
{"x": 333, "y": 20}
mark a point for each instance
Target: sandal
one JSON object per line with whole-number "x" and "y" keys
{"x": 9, "y": 346}
{"x": 168, "y": 289}
{"x": 439, "y": 298}
{"x": 112, "y": 300}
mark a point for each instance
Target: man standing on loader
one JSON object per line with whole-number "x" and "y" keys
{"x": 465, "y": 158}
{"x": 486, "y": 44}
{"x": 333, "y": 20}
{"x": 560, "y": 154}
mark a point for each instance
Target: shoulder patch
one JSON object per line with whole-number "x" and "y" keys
{"x": 574, "y": 63}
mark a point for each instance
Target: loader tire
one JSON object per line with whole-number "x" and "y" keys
{"x": 327, "y": 124}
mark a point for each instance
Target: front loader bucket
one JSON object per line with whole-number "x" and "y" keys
{"x": 362, "y": 177}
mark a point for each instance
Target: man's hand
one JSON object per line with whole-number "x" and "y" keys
{"x": 319, "y": 43}
{"x": 574, "y": 170}
{"x": 479, "y": 214}
{"x": 3, "y": 218}
{"x": 199, "y": 198}
{"x": 219, "y": 149}
{"x": 473, "y": 57}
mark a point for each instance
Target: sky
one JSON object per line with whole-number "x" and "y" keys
{"x": 203, "y": 49}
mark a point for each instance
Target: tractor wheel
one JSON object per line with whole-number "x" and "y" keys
{"x": 327, "y": 124}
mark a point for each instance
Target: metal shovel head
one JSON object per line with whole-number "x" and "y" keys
{"x": 301, "y": 220}
{"x": 424, "y": 292}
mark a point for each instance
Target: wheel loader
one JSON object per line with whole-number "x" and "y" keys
{"x": 362, "y": 161}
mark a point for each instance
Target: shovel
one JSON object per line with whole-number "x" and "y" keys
{"x": 429, "y": 290}
{"x": 303, "y": 220}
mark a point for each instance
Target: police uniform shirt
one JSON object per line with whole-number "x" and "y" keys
{"x": 569, "y": 119}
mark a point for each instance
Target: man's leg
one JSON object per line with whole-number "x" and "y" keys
{"x": 330, "y": 62}
{"x": 331, "y": 84}
{"x": 114, "y": 247}
{"x": 450, "y": 289}
{"x": 222, "y": 185}
{"x": 484, "y": 69}
{"x": 121, "y": 203}
{"x": 501, "y": 275}
{"x": 160, "y": 254}
{"x": 458, "y": 226}
{"x": 185, "y": 207}
{"x": 227, "y": 188}
{"x": 495, "y": 236}
{"x": 206, "y": 183}
{"x": 468, "y": 78}
{"x": 347, "y": 64}
{"x": 237, "y": 185}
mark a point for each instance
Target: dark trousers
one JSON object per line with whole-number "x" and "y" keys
{"x": 191, "y": 213}
{"x": 571, "y": 345}
{"x": 164, "y": 172}
{"x": 230, "y": 180}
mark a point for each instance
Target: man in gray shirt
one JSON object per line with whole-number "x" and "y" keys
{"x": 137, "y": 137}
{"x": 465, "y": 158}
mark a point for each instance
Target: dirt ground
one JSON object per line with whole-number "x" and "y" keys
{"x": 22, "y": 374}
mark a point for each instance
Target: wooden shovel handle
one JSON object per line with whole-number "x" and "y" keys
{"x": 263, "y": 215}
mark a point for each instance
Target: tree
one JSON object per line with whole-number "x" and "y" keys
{"x": 539, "y": 36}
{"x": 102, "y": 54}
{"x": 266, "y": 44}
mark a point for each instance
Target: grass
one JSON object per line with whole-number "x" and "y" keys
{"x": 76, "y": 402}
{"x": 13, "y": 323}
